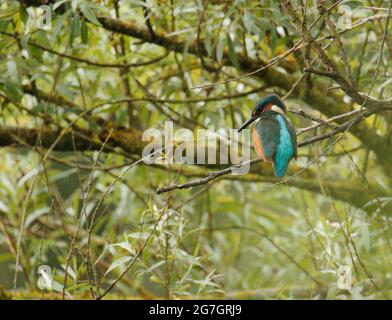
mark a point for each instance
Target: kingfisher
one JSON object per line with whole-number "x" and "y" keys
{"x": 274, "y": 136}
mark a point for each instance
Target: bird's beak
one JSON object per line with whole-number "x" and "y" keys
{"x": 246, "y": 123}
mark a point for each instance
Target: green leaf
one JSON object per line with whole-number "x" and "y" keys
{"x": 75, "y": 29}
{"x": 59, "y": 24}
{"x": 28, "y": 176}
{"x": 57, "y": 286}
{"x": 156, "y": 265}
{"x": 13, "y": 91}
{"x": 38, "y": 108}
{"x": 90, "y": 16}
{"x": 35, "y": 215}
{"x": 118, "y": 263}
{"x": 125, "y": 245}
{"x": 155, "y": 279}
{"x": 4, "y": 207}
{"x": 84, "y": 32}
{"x": 138, "y": 235}
{"x": 24, "y": 16}
{"x": 74, "y": 5}
{"x": 24, "y": 41}
{"x": 36, "y": 53}
{"x": 207, "y": 41}
{"x": 274, "y": 40}
{"x": 58, "y": 4}
{"x": 232, "y": 54}
{"x": 384, "y": 84}
{"x": 248, "y": 21}
{"x": 3, "y": 25}
{"x": 219, "y": 49}
{"x": 13, "y": 71}
{"x": 7, "y": 13}
{"x": 42, "y": 38}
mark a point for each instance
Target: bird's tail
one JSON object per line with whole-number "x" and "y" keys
{"x": 280, "y": 170}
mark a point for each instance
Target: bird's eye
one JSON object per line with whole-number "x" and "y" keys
{"x": 256, "y": 112}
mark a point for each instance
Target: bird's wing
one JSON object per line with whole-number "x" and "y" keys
{"x": 269, "y": 132}
{"x": 293, "y": 135}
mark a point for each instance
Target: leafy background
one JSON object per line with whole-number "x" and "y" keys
{"x": 87, "y": 208}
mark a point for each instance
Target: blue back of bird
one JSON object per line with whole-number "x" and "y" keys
{"x": 278, "y": 140}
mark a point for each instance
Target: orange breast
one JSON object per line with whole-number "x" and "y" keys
{"x": 258, "y": 146}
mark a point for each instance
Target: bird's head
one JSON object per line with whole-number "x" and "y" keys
{"x": 270, "y": 102}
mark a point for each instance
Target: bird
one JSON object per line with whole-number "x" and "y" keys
{"x": 274, "y": 136}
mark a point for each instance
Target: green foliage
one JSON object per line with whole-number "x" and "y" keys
{"x": 94, "y": 216}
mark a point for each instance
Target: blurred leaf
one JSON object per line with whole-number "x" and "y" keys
{"x": 57, "y": 286}
{"x": 24, "y": 16}
{"x": 117, "y": 263}
{"x": 138, "y": 235}
{"x": 42, "y": 38}
{"x": 13, "y": 91}
{"x": 35, "y": 215}
{"x": 207, "y": 41}
{"x": 7, "y": 13}
{"x": 29, "y": 175}
{"x": 248, "y": 21}
{"x": 40, "y": 107}
{"x": 58, "y": 4}
{"x": 156, "y": 265}
{"x": 36, "y": 53}
{"x": 273, "y": 43}
{"x": 60, "y": 23}
{"x": 3, "y": 25}
{"x": 84, "y": 32}
{"x": 232, "y": 54}
{"x": 219, "y": 49}
{"x": 125, "y": 245}
{"x": 3, "y": 207}
{"x": 13, "y": 71}
{"x": 90, "y": 16}
{"x": 75, "y": 29}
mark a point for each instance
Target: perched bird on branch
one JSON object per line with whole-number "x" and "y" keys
{"x": 274, "y": 136}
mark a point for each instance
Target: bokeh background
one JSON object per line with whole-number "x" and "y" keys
{"x": 81, "y": 80}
